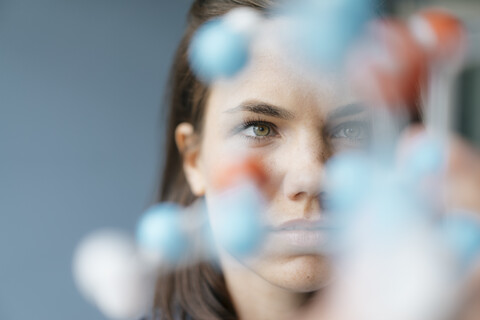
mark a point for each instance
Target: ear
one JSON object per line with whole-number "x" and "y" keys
{"x": 188, "y": 145}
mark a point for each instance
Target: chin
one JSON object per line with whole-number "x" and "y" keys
{"x": 305, "y": 273}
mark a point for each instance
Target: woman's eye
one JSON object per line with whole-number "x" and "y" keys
{"x": 353, "y": 131}
{"x": 258, "y": 130}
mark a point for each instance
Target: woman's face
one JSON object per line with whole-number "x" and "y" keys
{"x": 294, "y": 123}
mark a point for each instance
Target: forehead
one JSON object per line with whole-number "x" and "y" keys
{"x": 275, "y": 75}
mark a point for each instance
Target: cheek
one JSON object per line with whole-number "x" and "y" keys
{"x": 214, "y": 152}
{"x": 274, "y": 164}
{"x": 218, "y": 149}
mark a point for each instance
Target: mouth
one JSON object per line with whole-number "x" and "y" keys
{"x": 309, "y": 228}
{"x": 303, "y": 225}
{"x": 302, "y": 234}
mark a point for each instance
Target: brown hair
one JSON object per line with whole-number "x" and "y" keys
{"x": 196, "y": 292}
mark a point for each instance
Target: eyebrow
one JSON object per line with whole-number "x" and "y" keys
{"x": 263, "y": 108}
{"x": 345, "y": 111}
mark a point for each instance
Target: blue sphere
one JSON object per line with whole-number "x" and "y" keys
{"x": 240, "y": 229}
{"x": 428, "y": 158}
{"x": 394, "y": 210}
{"x": 348, "y": 178}
{"x": 160, "y": 230}
{"x": 326, "y": 29}
{"x": 217, "y": 51}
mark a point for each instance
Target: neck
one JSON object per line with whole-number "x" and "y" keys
{"x": 256, "y": 299}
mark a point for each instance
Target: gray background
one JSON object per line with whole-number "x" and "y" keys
{"x": 81, "y": 85}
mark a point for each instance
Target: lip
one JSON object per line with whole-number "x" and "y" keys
{"x": 302, "y": 225}
{"x": 306, "y": 238}
{"x": 302, "y": 235}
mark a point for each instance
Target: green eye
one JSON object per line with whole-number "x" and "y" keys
{"x": 261, "y": 130}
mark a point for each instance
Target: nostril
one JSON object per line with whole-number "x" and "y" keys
{"x": 296, "y": 196}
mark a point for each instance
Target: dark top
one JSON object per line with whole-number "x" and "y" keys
{"x": 157, "y": 315}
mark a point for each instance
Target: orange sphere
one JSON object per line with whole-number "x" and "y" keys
{"x": 440, "y": 33}
{"x": 233, "y": 173}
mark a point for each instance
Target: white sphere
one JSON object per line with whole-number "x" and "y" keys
{"x": 109, "y": 272}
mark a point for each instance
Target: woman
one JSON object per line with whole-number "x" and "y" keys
{"x": 294, "y": 125}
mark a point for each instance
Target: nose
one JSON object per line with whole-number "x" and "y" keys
{"x": 305, "y": 167}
